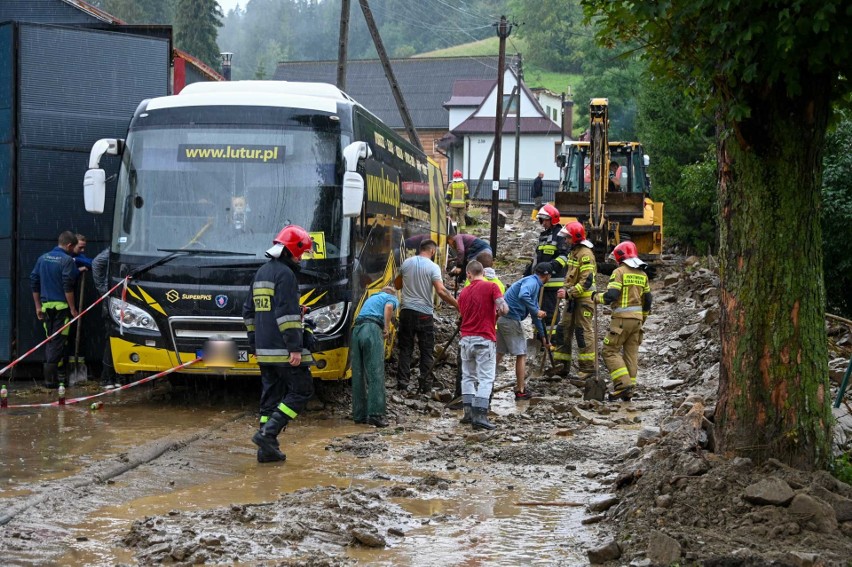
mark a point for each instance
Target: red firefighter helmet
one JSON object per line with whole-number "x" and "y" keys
{"x": 576, "y": 231}
{"x": 549, "y": 212}
{"x": 625, "y": 251}
{"x": 457, "y": 174}
{"x": 292, "y": 237}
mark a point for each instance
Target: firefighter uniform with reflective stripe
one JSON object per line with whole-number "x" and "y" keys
{"x": 629, "y": 295}
{"x": 273, "y": 318}
{"x": 578, "y": 319}
{"x": 554, "y": 249}
{"x": 457, "y": 198}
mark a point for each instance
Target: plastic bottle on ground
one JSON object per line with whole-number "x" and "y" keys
{"x": 4, "y": 397}
{"x": 61, "y": 393}
{"x": 96, "y": 406}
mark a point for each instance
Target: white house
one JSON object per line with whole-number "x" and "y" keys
{"x": 472, "y": 108}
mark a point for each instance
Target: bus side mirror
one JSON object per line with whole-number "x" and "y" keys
{"x": 646, "y": 159}
{"x": 560, "y": 161}
{"x": 353, "y": 194}
{"x": 353, "y": 184}
{"x": 94, "y": 181}
{"x": 94, "y": 190}
{"x": 353, "y": 153}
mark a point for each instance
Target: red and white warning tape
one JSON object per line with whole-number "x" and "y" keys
{"x": 70, "y": 401}
{"x": 65, "y": 326}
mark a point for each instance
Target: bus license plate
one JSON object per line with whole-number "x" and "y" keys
{"x": 242, "y": 355}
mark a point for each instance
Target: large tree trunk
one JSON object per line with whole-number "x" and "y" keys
{"x": 773, "y": 386}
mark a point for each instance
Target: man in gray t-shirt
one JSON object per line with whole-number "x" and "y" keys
{"x": 418, "y": 276}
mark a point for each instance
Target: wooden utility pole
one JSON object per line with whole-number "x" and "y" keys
{"x": 383, "y": 57}
{"x": 342, "y": 46}
{"x": 503, "y": 31}
{"x": 520, "y": 74}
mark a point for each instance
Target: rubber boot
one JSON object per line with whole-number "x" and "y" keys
{"x": 266, "y": 439}
{"x": 467, "y": 417}
{"x": 621, "y": 390}
{"x": 479, "y": 419}
{"x": 51, "y": 375}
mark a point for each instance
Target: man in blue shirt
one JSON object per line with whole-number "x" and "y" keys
{"x": 522, "y": 298}
{"x": 367, "y": 348}
{"x": 52, "y": 282}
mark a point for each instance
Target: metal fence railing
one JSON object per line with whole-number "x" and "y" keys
{"x": 509, "y": 194}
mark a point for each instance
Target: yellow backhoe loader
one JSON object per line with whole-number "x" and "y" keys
{"x": 605, "y": 186}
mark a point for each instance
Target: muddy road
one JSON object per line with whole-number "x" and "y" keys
{"x": 166, "y": 472}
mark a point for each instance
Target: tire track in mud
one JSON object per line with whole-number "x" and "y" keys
{"x": 50, "y": 499}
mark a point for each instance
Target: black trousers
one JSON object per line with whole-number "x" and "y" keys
{"x": 415, "y": 325}
{"x": 287, "y": 386}
{"x": 54, "y": 351}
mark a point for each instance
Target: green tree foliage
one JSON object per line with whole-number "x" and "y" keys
{"x": 768, "y": 72}
{"x": 837, "y": 216}
{"x": 554, "y": 30}
{"x": 614, "y": 74}
{"x": 677, "y": 138}
{"x": 139, "y": 11}
{"x": 196, "y": 27}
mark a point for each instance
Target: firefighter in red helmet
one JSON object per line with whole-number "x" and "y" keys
{"x": 578, "y": 320}
{"x": 273, "y": 318}
{"x": 458, "y": 199}
{"x": 552, "y": 248}
{"x": 629, "y": 295}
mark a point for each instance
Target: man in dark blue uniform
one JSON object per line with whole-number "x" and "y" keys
{"x": 52, "y": 282}
{"x": 273, "y": 319}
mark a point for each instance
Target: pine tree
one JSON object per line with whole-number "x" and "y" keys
{"x": 196, "y": 23}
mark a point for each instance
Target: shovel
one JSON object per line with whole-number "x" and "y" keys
{"x": 595, "y": 387}
{"x": 79, "y": 372}
{"x": 441, "y": 352}
{"x": 548, "y": 354}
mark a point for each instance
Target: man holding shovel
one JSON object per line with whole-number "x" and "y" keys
{"x": 479, "y": 304}
{"x": 418, "y": 277}
{"x": 629, "y": 295}
{"x": 578, "y": 320}
{"x": 522, "y": 298}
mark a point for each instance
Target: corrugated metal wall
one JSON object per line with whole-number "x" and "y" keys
{"x": 75, "y": 86}
{"x": 7, "y": 180}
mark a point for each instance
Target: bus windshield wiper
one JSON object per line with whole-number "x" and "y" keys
{"x": 204, "y": 252}
{"x": 175, "y": 252}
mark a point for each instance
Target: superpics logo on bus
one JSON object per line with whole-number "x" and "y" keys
{"x": 222, "y": 152}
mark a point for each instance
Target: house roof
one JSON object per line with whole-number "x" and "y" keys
{"x": 425, "y": 84}
{"x": 202, "y": 67}
{"x": 94, "y": 12}
{"x": 529, "y": 125}
{"x": 470, "y": 92}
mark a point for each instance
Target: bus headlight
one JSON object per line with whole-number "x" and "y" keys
{"x": 134, "y": 318}
{"x": 328, "y": 317}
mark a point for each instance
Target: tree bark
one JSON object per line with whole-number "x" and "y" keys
{"x": 773, "y": 384}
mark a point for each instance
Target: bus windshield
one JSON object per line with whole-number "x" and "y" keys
{"x": 227, "y": 188}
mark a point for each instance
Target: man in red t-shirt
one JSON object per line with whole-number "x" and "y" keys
{"x": 479, "y": 304}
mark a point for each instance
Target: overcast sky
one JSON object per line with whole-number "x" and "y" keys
{"x": 228, "y": 5}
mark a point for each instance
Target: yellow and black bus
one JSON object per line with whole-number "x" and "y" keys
{"x": 207, "y": 179}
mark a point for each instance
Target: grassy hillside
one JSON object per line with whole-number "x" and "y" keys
{"x": 533, "y": 76}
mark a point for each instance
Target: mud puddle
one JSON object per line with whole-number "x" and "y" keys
{"x": 348, "y": 492}
{"x": 43, "y": 444}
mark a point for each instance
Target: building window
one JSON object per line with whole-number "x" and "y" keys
{"x": 555, "y": 116}
{"x": 511, "y": 103}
